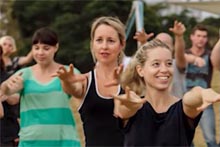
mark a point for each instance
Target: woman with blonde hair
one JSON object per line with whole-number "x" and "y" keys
{"x": 159, "y": 118}
{"x": 9, "y": 48}
{"x": 96, "y": 110}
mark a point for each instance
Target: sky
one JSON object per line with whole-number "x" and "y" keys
{"x": 174, "y": 8}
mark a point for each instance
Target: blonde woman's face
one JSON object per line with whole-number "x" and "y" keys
{"x": 158, "y": 69}
{"x": 106, "y": 45}
{"x": 7, "y": 47}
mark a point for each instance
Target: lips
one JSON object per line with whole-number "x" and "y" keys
{"x": 104, "y": 54}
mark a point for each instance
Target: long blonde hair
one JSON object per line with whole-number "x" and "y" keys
{"x": 117, "y": 25}
{"x": 130, "y": 76}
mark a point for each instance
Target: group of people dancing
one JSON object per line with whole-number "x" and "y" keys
{"x": 157, "y": 99}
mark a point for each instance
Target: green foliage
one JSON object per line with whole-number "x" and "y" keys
{"x": 72, "y": 19}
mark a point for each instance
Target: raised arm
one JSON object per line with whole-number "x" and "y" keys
{"x": 179, "y": 45}
{"x": 142, "y": 36}
{"x": 73, "y": 84}
{"x": 215, "y": 55}
{"x": 24, "y": 60}
{"x": 197, "y": 99}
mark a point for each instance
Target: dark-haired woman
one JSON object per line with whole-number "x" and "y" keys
{"x": 46, "y": 116}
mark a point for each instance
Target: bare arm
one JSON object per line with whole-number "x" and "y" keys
{"x": 13, "y": 99}
{"x": 1, "y": 110}
{"x": 127, "y": 105}
{"x": 24, "y": 60}
{"x": 197, "y": 99}
{"x": 192, "y": 59}
{"x": 179, "y": 45}
{"x": 215, "y": 55}
{"x": 73, "y": 84}
{"x": 12, "y": 85}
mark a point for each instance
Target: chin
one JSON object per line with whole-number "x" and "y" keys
{"x": 163, "y": 88}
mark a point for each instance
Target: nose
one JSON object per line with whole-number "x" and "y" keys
{"x": 104, "y": 45}
{"x": 163, "y": 68}
{"x": 40, "y": 51}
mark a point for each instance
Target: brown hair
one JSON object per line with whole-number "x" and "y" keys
{"x": 199, "y": 27}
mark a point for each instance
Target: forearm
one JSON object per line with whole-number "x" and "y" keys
{"x": 13, "y": 99}
{"x": 193, "y": 98}
{"x": 125, "y": 112}
{"x": 1, "y": 110}
{"x": 5, "y": 89}
{"x": 74, "y": 89}
{"x": 180, "y": 51}
{"x": 24, "y": 60}
{"x": 191, "y": 101}
{"x": 190, "y": 58}
{"x": 215, "y": 56}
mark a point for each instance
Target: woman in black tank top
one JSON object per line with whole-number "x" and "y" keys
{"x": 96, "y": 110}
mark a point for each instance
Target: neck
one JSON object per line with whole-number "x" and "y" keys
{"x": 6, "y": 59}
{"x": 50, "y": 68}
{"x": 105, "y": 70}
{"x": 197, "y": 51}
{"x": 159, "y": 100}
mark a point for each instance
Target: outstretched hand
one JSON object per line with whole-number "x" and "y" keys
{"x": 126, "y": 105}
{"x": 130, "y": 98}
{"x": 68, "y": 75}
{"x": 142, "y": 36}
{"x": 117, "y": 72}
{"x": 209, "y": 97}
{"x": 178, "y": 28}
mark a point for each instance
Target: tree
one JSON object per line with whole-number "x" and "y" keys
{"x": 71, "y": 20}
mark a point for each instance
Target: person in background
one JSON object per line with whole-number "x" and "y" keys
{"x": 2, "y": 68}
{"x": 158, "y": 118}
{"x": 9, "y": 48}
{"x": 10, "y": 122}
{"x": 43, "y": 102}
{"x": 96, "y": 110}
{"x": 202, "y": 75}
{"x": 9, "y": 126}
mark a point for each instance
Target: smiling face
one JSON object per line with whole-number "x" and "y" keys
{"x": 157, "y": 70}
{"x": 106, "y": 45}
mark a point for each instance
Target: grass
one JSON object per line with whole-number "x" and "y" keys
{"x": 198, "y": 140}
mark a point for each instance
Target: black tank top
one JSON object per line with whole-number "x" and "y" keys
{"x": 100, "y": 126}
